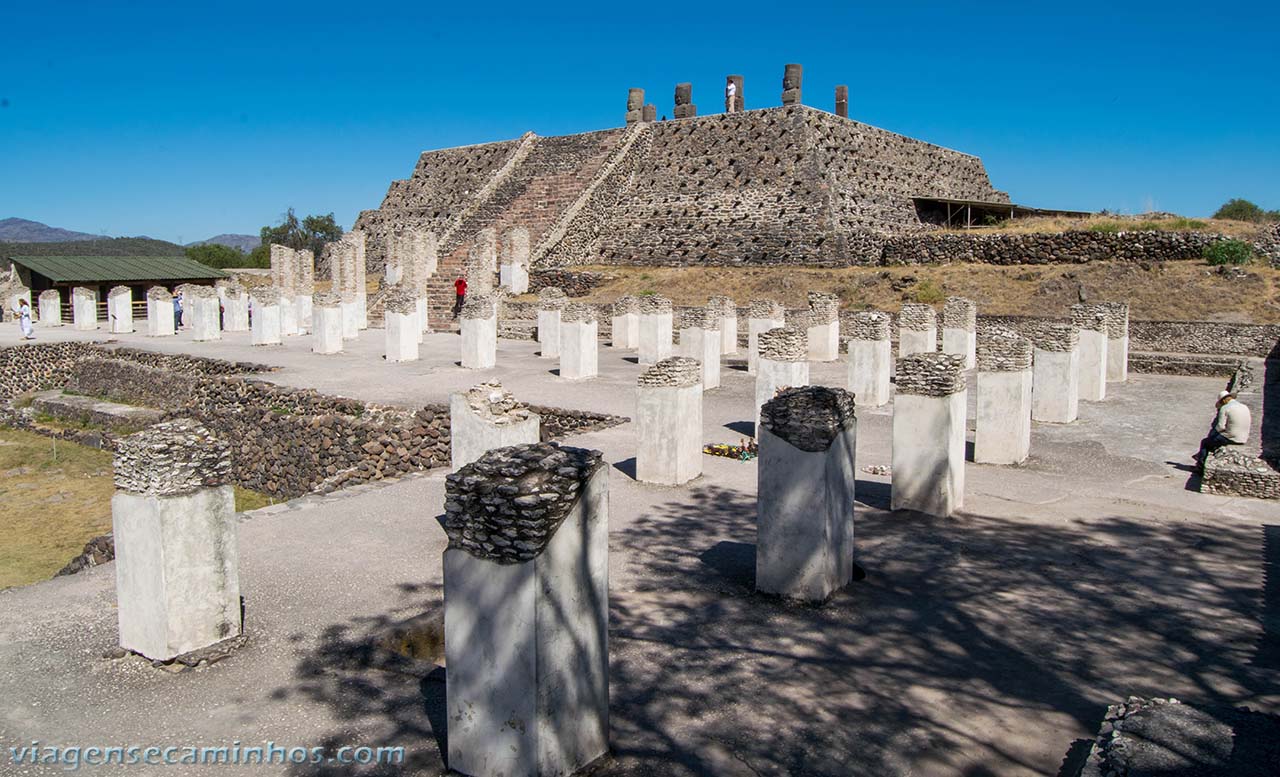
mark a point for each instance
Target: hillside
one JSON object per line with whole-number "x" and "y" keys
{"x": 243, "y": 243}
{"x": 14, "y": 230}
{"x": 109, "y": 246}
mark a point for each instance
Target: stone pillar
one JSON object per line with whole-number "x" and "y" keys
{"x": 734, "y": 100}
{"x": 284, "y": 278}
{"x": 236, "y": 305}
{"x": 804, "y": 500}
{"x": 304, "y": 287}
{"x": 792, "y": 77}
{"x": 928, "y": 434}
{"x": 202, "y": 307}
{"x": 669, "y": 421}
{"x": 917, "y": 329}
{"x": 1117, "y": 341}
{"x": 12, "y": 290}
{"x": 960, "y": 329}
{"x": 84, "y": 309}
{"x": 655, "y": 329}
{"x": 514, "y": 275}
{"x": 700, "y": 339}
{"x": 350, "y": 306}
{"x": 526, "y": 612}
{"x": 1091, "y": 321}
{"x": 159, "y": 312}
{"x": 174, "y": 525}
{"x": 726, "y": 314}
{"x": 400, "y": 311}
{"x": 579, "y": 342}
{"x": 51, "y": 308}
{"x": 783, "y": 354}
{"x": 486, "y": 417}
{"x": 265, "y": 329}
{"x": 842, "y": 101}
{"x": 482, "y": 262}
{"x": 397, "y": 255}
{"x": 626, "y": 323}
{"x": 551, "y": 301}
{"x": 479, "y": 323}
{"x": 824, "y": 327}
{"x": 326, "y": 324}
{"x": 762, "y": 316}
{"x": 120, "y": 310}
{"x": 650, "y": 113}
{"x": 870, "y": 358}
{"x": 360, "y": 267}
{"x": 635, "y": 105}
{"x": 1002, "y": 432}
{"x": 685, "y": 109}
{"x": 1055, "y": 387}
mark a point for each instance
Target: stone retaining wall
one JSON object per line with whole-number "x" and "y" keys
{"x": 573, "y": 283}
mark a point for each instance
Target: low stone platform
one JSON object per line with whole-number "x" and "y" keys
{"x": 97, "y": 412}
{"x": 1237, "y": 471}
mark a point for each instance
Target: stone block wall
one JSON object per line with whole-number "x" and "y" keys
{"x": 574, "y": 283}
{"x": 1039, "y": 248}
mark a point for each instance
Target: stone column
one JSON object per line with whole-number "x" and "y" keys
{"x": 120, "y": 310}
{"x": 655, "y": 329}
{"x": 304, "y": 287}
{"x": 635, "y": 105}
{"x": 514, "y": 275}
{"x": 870, "y": 358}
{"x": 726, "y": 314}
{"x": 685, "y": 109}
{"x": 551, "y": 301}
{"x": 579, "y": 342}
{"x": 804, "y": 500}
{"x": 479, "y": 323}
{"x": 159, "y": 312}
{"x": 700, "y": 339}
{"x": 1055, "y": 387}
{"x": 397, "y": 254}
{"x": 360, "y": 274}
{"x": 425, "y": 267}
{"x": 1117, "y": 341}
{"x": 736, "y": 103}
{"x": 1002, "y": 432}
{"x": 526, "y": 612}
{"x": 12, "y": 290}
{"x": 928, "y": 434}
{"x": 482, "y": 262}
{"x": 824, "y": 327}
{"x": 762, "y": 316}
{"x": 669, "y": 422}
{"x": 486, "y": 417}
{"x": 349, "y": 304}
{"x": 236, "y": 303}
{"x": 1091, "y": 321}
{"x": 626, "y": 323}
{"x": 51, "y": 308}
{"x": 326, "y": 324}
{"x": 174, "y": 525}
{"x": 265, "y": 329}
{"x": 401, "y": 321}
{"x": 283, "y": 277}
{"x": 792, "y": 77}
{"x": 783, "y": 354}
{"x": 842, "y": 101}
{"x": 84, "y": 309}
{"x": 960, "y": 329}
{"x": 917, "y": 329}
{"x": 202, "y": 307}
{"x": 650, "y": 113}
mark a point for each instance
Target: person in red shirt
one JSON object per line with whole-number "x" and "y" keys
{"x": 460, "y": 288}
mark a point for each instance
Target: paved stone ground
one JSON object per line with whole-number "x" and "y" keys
{"x": 985, "y": 644}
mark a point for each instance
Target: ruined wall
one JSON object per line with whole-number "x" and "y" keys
{"x": 1041, "y": 248}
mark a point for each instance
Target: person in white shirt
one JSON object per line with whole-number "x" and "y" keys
{"x": 23, "y": 315}
{"x": 730, "y": 96}
{"x": 1230, "y": 426}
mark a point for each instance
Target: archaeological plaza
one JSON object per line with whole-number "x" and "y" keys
{"x": 601, "y": 515}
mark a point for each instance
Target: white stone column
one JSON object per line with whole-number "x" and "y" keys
{"x": 304, "y": 288}
{"x": 350, "y": 316}
{"x": 726, "y": 314}
{"x": 51, "y": 308}
{"x": 13, "y": 290}
{"x": 173, "y": 522}
{"x": 486, "y": 417}
{"x": 400, "y": 312}
{"x": 360, "y": 268}
{"x": 266, "y": 316}
{"x": 202, "y": 307}
{"x": 288, "y": 315}
{"x": 626, "y": 323}
{"x": 783, "y": 354}
{"x": 284, "y": 276}
{"x": 1002, "y": 431}
{"x": 824, "y": 327}
{"x": 551, "y": 302}
{"x": 84, "y": 309}
{"x": 526, "y": 619}
{"x": 326, "y": 323}
{"x": 929, "y": 434}
{"x": 655, "y": 329}
{"x": 700, "y": 339}
{"x": 870, "y": 358}
{"x": 236, "y": 303}
{"x": 917, "y": 329}
{"x": 579, "y": 342}
{"x": 514, "y": 274}
{"x": 120, "y": 310}
{"x": 1091, "y": 321}
{"x": 762, "y": 316}
{"x": 159, "y": 312}
{"x": 804, "y": 499}
{"x": 422, "y": 307}
{"x": 669, "y": 422}
{"x": 1117, "y": 341}
{"x": 1055, "y": 387}
{"x": 479, "y": 323}
{"x": 960, "y": 329}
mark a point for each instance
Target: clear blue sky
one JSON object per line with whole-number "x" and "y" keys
{"x": 181, "y": 122}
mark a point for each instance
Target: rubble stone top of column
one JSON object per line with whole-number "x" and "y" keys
{"x": 171, "y": 458}
{"x": 1000, "y": 350}
{"x": 507, "y": 505}
{"x": 800, "y": 319}
{"x": 823, "y": 307}
{"x": 931, "y": 374}
{"x": 54, "y": 293}
{"x": 722, "y": 306}
{"x": 477, "y": 306}
{"x": 578, "y": 312}
{"x": 119, "y": 291}
{"x": 232, "y": 288}
{"x": 84, "y": 293}
{"x": 265, "y": 295}
{"x": 626, "y": 304}
{"x": 766, "y": 309}
{"x": 203, "y": 292}
{"x": 699, "y": 318}
{"x": 495, "y": 404}
{"x": 654, "y": 304}
{"x": 1091, "y": 317}
{"x": 917, "y": 317}
{"x": 869, "y": 325}
{"x": 784, "y": 344}
{"x": 675, "y": 371}
{"x": 1055, "y": 337}
{"x": 960, "y": 313}
{"x": 809, "y": 417}
{"x": 552, "y": 298}
{"x": 400, "y": 299}
{"x": 1117, "y": 318}
{"x": 327, "y": 299}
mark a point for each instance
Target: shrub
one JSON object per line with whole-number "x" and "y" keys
{"x": 1240, "y": 210}
{"x": 1228, "y": 252}
{"x": 929, "y": 292}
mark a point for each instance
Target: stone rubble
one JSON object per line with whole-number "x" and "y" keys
{"x": 119, "y": 291}
{"x": 1117, "y": 318}
{"x": 766, "y": 309}
{"x": 699, "y": 318}
{"x": 578, "y": 312}
{"x": 917, "y": 317}
{"x": 400, "y": 298}
{"x": 823, "y": 308}
{"x": 651, "y": 304}
{"x": 477, "y": 307}
{"x": 326, "y": 299}
{"x": 810, "y": 417}
{"x": 722, "y": 306}
{"x": 262, "y": 296}
{"x": 930, "y": 374}
{"x": 869, "y": 325}
{"x": 495, "y": 404}
{"x": 172, "y": 458}
{"x": 960, "y": 313}
{"x": 1091, "y": 317}
{"x": 784, "y": 344}
{"x": 1000, "y": 350}
{"x": 1055, "y": 337}
{"x": 675, "y": 371}
{"x": 552, "y": 298}
{"x": 626, "y": 304}
{"x": 155, "y": 293}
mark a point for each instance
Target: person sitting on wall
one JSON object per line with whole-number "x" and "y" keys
{"x": 459, "y": 288}
{"x": 1230, "y": 426}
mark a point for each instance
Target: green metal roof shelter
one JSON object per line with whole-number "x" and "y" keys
{"x": 47, "y": 272}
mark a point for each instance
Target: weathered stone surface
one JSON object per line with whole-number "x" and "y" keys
{"x": 326, "y": 299}
{"x": 157, "y": 293}
{"x": 823, "y": 308}
{"x": 960, "y": 313}
{"x": 870, "y": 325}
{"x": 400, "y": 298}
{"x": 766, "y": 309}
{"x": 1091, "y": 317}
{"x": 784, "y": 344}
{"x": 1000, "y": 350}
{"x": 1055, "y": 337}
{"x": 578, "y": 312}
{"x": 1117, "y": 318}
{"x": 552, "y": 298}
{"x": 477, "y": 307}
{"x": 810, "y": 417}
{"x": 626, "y": 304}
{"x": 675, "y": 371}
{"x": 265, "y": 295}
{"x": 170, "y": 458}
{"x": 917, "y": 317}
{"x": 495, "y": 404}
{"x": 1235, "y": 471}
{"x": 654, "y": 303}
{"x": 722, "y": 306}
{"x": 930, "y": 374}
{"x": 698, "y": 318}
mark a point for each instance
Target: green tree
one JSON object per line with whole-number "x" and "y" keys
{"x": 1240, "y": 210}
{"x": 311, "y": 232}
{"x": 218, "y": 256}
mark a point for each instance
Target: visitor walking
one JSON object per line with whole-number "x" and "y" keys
{"x": 459, "y": 288}
{"x": 177, "y": 311}
{"x": 1230, "y": 426}
{"x": 23, "y": 314}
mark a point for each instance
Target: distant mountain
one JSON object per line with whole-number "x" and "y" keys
{"x": 102, "y": 246}
{"x": 245, "y": 243}
{"x": 26, "y": 231}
